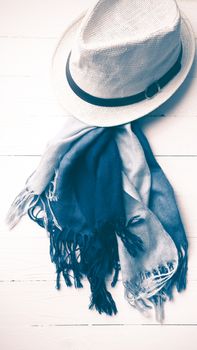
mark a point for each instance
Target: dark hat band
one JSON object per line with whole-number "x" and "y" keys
{"x": 148, "y": 93}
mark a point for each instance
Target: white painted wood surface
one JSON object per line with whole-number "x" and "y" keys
{"x": 33, "y": 314}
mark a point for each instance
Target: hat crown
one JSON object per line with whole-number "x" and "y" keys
{"x": 123, "y": 46}
{"x": 127, "y": 21}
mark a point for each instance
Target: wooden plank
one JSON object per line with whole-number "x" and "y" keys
{"x": 26, "y": 56}
{"x": 25, "y": 254}
{"x": 26, "y": 18}
{"x": 99, "y": 337}
{"x": 34, "y": 314}
{"x": 28, "y": 136}
{"x": 39, "y": 303}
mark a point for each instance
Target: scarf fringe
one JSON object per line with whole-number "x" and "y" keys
{"x": 65, "y": 255}
{"x": 69, "y": 251}
{"x": 164, "y": 291}
{"x": 75, "y": 257}
{"x": 179, "y": 279}
{"x": 20, "y": 206}
{"x": 158, "y": 302}
{"x": 153, "y": 287}
{"x": 102, "y": 301}
{"x": 181, "y": 282}
{"x": 132, "y": 242}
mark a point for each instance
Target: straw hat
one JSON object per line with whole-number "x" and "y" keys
{"x": 122, "y": 59}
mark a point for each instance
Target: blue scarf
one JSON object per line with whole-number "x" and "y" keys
{"x": 108, "y": 207}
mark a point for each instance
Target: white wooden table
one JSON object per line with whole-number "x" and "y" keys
{"x": 33, "y": 314}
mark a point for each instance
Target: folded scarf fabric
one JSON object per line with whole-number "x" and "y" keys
{"x": 108, "y": 206}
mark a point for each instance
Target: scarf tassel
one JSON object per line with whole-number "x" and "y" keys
{"x": 25, "y": 200}
{"x": 152, "y": 288}
{"x": 102, "y": 300}
{"x": 69, "y": 251}
{"x": 179, "y": 279}
{"x": 182, "y": 269}
{"x": 132, "y": 242}
{"x": 75, "y": 256}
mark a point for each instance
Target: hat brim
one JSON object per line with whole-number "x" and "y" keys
{"x": 112, "y": 116}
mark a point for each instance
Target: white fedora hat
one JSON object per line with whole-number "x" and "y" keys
{"x": 122, "y": 59}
